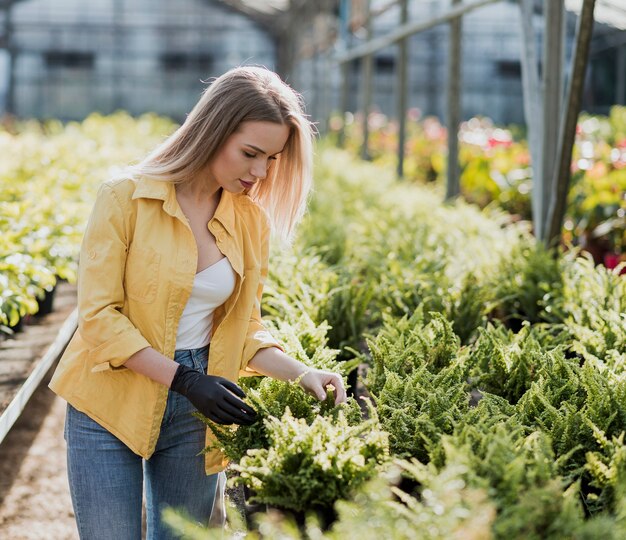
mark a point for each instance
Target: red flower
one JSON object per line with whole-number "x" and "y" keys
{"x": 611, "y": 260}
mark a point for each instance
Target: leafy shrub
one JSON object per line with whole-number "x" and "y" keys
{"x": 446, "y": 507}
{"x": 310, "y": 466}
{"x": 410, "y": 343}
{"x": 271, "y": 399}
{"x": 526, "y": 285}
{"x": 417, "y": 409}
{"x": 505, "y": 363}
{"x": 594, "y": 308}
{"x": 520, "y": 473}
{"x": 298, "y": 283}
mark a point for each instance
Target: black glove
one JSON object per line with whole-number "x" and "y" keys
{"x": 213, "y": 396}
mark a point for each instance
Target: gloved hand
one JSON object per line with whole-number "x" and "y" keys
{"x": 215, "y": 397}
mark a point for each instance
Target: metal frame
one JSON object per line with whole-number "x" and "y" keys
{"x": 406, "y": 29}
{"x": 43, "y": 365}
{"x": 551, "y": 119}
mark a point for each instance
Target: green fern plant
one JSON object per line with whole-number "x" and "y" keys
{"x": 310, "y": 466}
{"x": 270, "y": 400}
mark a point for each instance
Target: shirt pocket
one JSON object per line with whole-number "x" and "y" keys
{"x": 141, "y": 277}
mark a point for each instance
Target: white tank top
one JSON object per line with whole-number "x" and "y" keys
{"x": 211, "y": 287}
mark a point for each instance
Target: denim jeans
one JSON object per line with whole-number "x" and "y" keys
{"x": 107, "y": 479}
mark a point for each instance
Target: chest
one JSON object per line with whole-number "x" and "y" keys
{"x": 206, "y": 244}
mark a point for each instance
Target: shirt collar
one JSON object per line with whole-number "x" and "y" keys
{"x": 163, "y": 190}
{"x": 148, "y": 188}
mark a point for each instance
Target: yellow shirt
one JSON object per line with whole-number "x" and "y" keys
{"x": 137, "y": 266}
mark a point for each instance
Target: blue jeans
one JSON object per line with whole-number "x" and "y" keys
{"x": 106, "y": 478}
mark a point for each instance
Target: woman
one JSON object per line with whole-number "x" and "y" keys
{"x": 172, "y": 267}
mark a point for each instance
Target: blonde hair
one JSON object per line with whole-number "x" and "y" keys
{"x": 244, "y": 94}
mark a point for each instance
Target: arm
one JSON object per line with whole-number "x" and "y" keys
{"x": 110, "y": 336}
{"x": 263, "y": 354}
{"x": 275, "y": 363}
{"x": 154, "y": 365}
{"x": 215, "y": 397}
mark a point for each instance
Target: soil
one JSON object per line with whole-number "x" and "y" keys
{"x": 34, "y": 496}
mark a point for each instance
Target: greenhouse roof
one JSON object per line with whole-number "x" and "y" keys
{"x": 267, "y": 6}
{"x": 610, "y": 12}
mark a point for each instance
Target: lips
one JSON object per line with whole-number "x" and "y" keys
{"x": 246, "y": 185}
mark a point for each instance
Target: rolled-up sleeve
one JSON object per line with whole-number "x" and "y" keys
{"x": 110, "y": 335}
{"x": 258, "y": 337}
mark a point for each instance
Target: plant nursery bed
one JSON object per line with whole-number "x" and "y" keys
{"x": 26, "y": 356}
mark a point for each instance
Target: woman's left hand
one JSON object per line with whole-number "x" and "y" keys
{"x": 315, "y": 381}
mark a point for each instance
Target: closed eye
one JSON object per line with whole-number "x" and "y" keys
{"x": 248, "y": 154}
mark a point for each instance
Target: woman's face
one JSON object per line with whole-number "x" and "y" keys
{"x": 245, "y": 157}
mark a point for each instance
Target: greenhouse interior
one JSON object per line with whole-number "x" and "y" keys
{"x": 325, "y": 269}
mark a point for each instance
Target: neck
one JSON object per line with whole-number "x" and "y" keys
{"x": 199, "y": 191}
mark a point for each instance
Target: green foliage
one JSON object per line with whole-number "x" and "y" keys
{"x": 466, "y": 308}
{"x": 519, "y": 471}
{"x": 306, "y": 341}
{"x": 271, "y": 399}
{"x": 310, "y": 466}
{"x": 406, "y": 344}
{"x": 419, "y": 390}
{"x": 594, "y": 308}
{"x": 396, "y": 248}
{"x": 347, "y": 312}
{"x": 46, "y": 194}
{"x": 505, "y": 363}
{"x": 526, "y": 285}
{"x": 446, "y": 507}
{"x": 418, "y": 408}
{"x": 298, "y": 283}
{"x": 542, "y": 512}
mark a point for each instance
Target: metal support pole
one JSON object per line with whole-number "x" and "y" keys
{"x": 567, "y": 135}
{"x": 368, "y": 69}
{"x": 323, "y": 127}
{"x": 552, "y": 76}
{"x": 315, "y": 87}
{"x": 620, "y": 70}
{"x": 344, "y": 33}
{"x": 345, "y": 96}
{"x": 532, "y": 102}
{"x": 403, "y": 62}
{"x": 409, "y": 29}
{"x": 453, "y": 187}
{"x": 117, "y": 74}
{"x": 9, "y": 104}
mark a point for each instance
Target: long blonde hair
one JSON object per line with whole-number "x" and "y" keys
{"x": 244, "y": 94}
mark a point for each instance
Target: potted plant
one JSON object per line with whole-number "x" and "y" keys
{"x": 308, "y": 467}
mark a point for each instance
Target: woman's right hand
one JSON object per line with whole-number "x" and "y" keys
{"x": 215, "y": 397}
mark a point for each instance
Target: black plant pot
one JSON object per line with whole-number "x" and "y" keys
{"x": 46, "y": 303}
{"x": 18, "y": 326}
{"x": 352, "y": 379}
{"x": 326, "y": 516}
{"x": 251, "y": 508}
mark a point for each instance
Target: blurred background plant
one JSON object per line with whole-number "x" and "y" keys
{"x": 496, "y": 170}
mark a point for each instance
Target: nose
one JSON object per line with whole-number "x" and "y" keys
{"x": 259, "y": 169}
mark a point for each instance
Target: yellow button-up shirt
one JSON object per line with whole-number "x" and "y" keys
{"x": 136, "y": 271}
